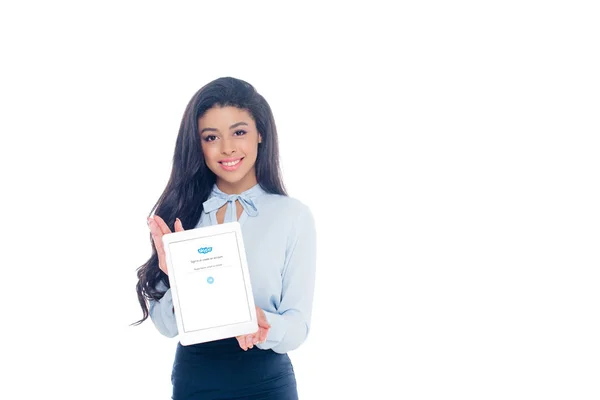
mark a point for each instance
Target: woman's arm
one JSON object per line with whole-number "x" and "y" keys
{"x": 291, "y": 324}
{"x": 161, "y": 313}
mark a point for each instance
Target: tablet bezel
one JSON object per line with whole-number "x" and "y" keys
{"x": 220, "y": 332}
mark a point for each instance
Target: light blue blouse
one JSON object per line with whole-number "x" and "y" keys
{"x": 280, "y": 241}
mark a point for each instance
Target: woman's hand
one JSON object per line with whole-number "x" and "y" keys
{"x": 158, "y": 227}
{"x": 248, "y": 341}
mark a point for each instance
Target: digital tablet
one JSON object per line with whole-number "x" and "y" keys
{"x": 210, "y": 283}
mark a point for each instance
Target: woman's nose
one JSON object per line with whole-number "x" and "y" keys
{"x": 227, "y": 147}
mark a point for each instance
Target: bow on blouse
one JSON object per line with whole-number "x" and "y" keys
{"x": 216, "y": 202}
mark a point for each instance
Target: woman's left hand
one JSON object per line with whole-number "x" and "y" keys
{"x": 248, "y": 341}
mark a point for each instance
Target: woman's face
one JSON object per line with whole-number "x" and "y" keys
{"x": 230, "y": 145}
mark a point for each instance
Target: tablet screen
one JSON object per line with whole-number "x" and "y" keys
{"x": 210, "y": 281}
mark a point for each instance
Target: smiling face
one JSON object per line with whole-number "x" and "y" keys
{"x": 230, "y": 145}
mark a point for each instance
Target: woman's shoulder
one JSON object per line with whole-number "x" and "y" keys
{"x": 286, "y": 211}
{"x": 287, "y": 215}
{"x": 286, "y": 204}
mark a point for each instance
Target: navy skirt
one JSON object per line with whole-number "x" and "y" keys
{"x": 221, "y": 369}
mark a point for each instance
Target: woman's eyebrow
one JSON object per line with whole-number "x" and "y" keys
{"x": 216, "y": 130}
{"x": 208, "y": 130}
{"x": 238, "y": 124}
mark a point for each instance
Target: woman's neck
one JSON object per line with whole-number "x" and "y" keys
{"x": 236, "y": 187}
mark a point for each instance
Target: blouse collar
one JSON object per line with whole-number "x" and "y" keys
{"x": 218, "y": 198}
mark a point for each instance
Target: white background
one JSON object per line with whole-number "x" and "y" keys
{"x": 448, "y": 150}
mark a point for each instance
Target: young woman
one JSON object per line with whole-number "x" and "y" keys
{"x": 226, "y": 168}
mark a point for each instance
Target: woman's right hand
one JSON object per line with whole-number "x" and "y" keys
{"x": 158, "y": 227}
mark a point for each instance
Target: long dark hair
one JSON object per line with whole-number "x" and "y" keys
{"x": 191, "y": 181}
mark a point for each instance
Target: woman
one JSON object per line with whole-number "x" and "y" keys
{"x": 226, "y": 168}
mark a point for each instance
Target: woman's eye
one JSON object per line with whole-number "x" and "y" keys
{"x": 210, "y": 138}
{"x": 239, "y": 133}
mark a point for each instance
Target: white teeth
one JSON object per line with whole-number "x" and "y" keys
{"x": 231, "y": 163}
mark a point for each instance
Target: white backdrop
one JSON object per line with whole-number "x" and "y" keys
{"x": 449, "y": 153}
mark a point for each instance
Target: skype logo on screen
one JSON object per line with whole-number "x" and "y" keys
{"x": 204, "y": 250}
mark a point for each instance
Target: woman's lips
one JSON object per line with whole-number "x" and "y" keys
{"x": 232, "y": 164}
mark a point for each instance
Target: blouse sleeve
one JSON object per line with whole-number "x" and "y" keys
{"x": 161, "y": 313}
{"x": 291, "y": 323}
